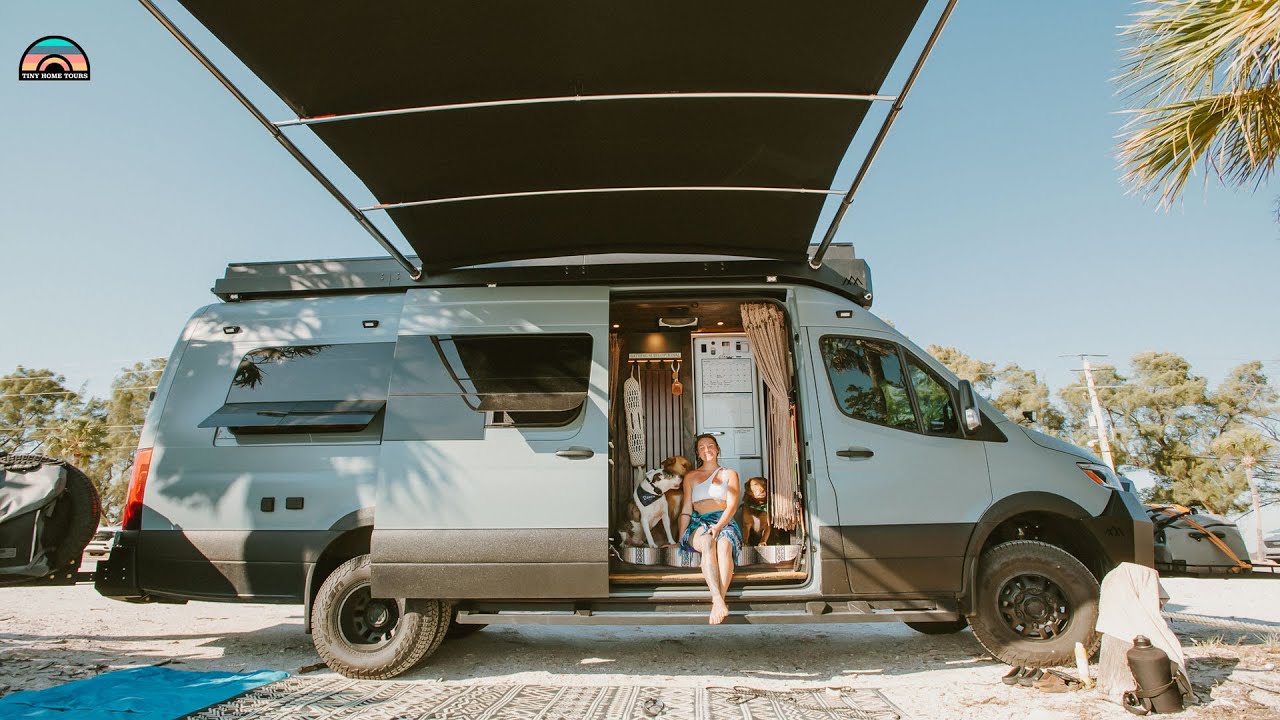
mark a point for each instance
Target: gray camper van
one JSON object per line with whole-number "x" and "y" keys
{"x": 402, "y": 457}
{"x": 413, "y": 448}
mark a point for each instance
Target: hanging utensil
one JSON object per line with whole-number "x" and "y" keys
{"x": 676, "y": 386}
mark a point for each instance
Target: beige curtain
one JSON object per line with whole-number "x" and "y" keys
{"x": 767, "y": 330}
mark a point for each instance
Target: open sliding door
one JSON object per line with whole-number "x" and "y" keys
{"x": 493, "y": 480}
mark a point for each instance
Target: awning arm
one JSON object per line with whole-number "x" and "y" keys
{"x": 597, "y": 191}
{"x": 415, "y": 273}
{"x": 816, "y": 261}
{"x": 318, "y": 119}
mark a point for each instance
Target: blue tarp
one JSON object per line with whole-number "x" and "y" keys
{"x": 145, "y": 693}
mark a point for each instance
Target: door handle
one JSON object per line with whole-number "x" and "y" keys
{"x": 856, "y": 453}
{"x": 575, "y": 453}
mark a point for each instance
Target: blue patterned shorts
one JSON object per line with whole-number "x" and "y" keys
{"x": 706, "y": 520}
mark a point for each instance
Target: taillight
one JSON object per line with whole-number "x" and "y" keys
{"x": 132, "y": 519}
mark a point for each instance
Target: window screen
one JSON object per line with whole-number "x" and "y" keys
{"x": 868, "y": 381}
{"x": 533, "y": 379}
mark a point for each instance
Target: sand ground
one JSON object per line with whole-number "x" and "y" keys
{"x": 52, "y": 635}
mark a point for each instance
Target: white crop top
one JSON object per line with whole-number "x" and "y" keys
{"x": 708, "y": 490}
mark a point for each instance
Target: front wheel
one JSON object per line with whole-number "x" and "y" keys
{"x": 370, "y": 638}
{"x": 1034, "y": 602}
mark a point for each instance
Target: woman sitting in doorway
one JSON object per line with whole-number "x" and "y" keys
{"x": 707, "y": 525}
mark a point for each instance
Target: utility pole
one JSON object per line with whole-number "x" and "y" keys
{"x": 1100, "y": 423}
{"x": 1259, "y": 549}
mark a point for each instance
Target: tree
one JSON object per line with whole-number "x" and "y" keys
{"x": 1166, "y": 419}
{"x": 1205, "y": 77}
{"x": 30, "y": 401}
{"x": 979, "y": 372}
{"x": 1020, "y": 391}
{"x": 79, "y": 435}
{"x": 1247, "y": 447}
{"x": 125, "y": 412}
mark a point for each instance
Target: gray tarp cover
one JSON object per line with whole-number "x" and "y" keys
{"x": 21, "y": 493}
{"x": 339, "y": 58}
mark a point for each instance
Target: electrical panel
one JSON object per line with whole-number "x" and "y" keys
{"x": 728, "y": 400}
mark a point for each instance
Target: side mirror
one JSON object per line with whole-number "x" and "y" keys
{"x": 969, "y": 407}
{"x": 1029, "y": 415}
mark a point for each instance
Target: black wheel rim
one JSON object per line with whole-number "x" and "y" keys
{"x": 367, "y": 623}
{"x": 1034, "y": 607}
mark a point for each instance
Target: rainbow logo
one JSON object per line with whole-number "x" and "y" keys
{"x": 54, "y": 58}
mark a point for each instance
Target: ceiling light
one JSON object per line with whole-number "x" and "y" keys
{"x": 677, "y": 322}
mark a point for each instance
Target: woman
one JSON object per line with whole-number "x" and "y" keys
{"x": 711, "y": 496}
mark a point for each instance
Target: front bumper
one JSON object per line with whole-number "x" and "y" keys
{"x": 1124, "y": 531}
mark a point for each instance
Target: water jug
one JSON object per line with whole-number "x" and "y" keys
{"x": 1157, "y": 691}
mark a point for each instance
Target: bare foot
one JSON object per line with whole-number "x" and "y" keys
{"x": 719, "y": 611}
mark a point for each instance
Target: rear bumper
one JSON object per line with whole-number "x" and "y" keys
{"x": 116, "y": 576}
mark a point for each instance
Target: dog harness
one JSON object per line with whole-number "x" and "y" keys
{"x": 648, "y": 496}
{"x": 708, "y": 490}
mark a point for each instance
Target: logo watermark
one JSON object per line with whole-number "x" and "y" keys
{"x": 53, "y": 58}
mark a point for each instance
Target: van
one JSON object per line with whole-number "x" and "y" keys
{"x": 413, "y": 460}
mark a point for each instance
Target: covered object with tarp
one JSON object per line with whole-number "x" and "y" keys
{"x": 506, "y": 130}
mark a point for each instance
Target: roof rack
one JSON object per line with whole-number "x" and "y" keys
{"x": 843, "y": 274}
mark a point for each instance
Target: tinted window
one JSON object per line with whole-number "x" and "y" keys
{"x": 358, "y": 371}
{"x": 937, "y": 413}
{"x": 868, "y": 380}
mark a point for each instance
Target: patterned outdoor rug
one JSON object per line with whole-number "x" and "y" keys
{"x": 341, "y": 699}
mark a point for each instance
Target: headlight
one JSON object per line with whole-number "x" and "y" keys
{"x": 1100, "y": 474}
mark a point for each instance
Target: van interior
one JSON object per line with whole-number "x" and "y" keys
{"x": 698, "y": 367}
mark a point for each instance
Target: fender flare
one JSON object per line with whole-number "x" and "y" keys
{"x": 1000, "y": 511}
{"x": 354, "y": 520}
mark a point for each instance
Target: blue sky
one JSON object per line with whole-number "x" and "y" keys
{"x": 993, "y": 219}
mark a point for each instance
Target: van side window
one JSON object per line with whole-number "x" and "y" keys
{"x": 357, "y": 371}
{"x": 306, "y": 388}
{"x": 937, "y": 411}
{"x": 531, "y": 380}
{"x": 868, "y": 380}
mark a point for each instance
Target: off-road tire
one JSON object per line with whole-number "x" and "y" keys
{"x": 939, "y": 628}
{"x": 419, "y": 630}
{"x": 69, "y": 526}
{"x": 1000, "y": 589}
{"x": 458, "y": 630}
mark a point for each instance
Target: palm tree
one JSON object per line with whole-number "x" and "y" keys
{"x": 1204, "y": 76}
{"x": 1247, "y": 447}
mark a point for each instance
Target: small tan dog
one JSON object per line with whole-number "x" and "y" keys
{"x": 755, "y": 511}
{"x": 680, "y": 466}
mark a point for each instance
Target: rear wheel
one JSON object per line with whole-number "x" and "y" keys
{"x": 361, "y": 636}
{"x": 939, "y": 628}
{"x": 1034, "y": 602}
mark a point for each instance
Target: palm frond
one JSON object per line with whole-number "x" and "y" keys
{"x": 1205, "y": 75}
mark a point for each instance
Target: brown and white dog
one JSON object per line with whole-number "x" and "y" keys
{"x": 755, "y": 511}
{"x": 651, "y": 501}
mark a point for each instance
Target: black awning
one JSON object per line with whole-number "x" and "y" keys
{"x": 734, "y": 175}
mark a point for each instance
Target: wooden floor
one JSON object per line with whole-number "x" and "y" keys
{"x": 625, "y": 574}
